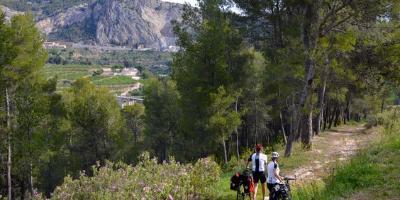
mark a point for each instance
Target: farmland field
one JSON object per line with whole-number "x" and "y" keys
{"x": 66, "y": 74}
{"x": 70, "y": 64}
{"x": 113, "y": 80}
{"x": 155, "y": 62}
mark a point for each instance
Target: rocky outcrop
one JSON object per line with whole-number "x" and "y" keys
{"x": 74, "y": 15}
{"x": 135, "y": 23}
{"x": 9, "y": 12}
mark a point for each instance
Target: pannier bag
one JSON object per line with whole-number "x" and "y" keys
{"x": 248, "y": 184}
{"x": 236, "y": 182}
{"x": 245, "y": 179}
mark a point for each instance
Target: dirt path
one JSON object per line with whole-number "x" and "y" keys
{"x": 135, "y": 86}
{"x": 331, "y": 148}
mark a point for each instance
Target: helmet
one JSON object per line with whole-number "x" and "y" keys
{"x": 275, "y": 154}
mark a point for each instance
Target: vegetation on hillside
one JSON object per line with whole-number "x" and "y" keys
{"x": 154, "y": 61}
{"x": 147, "y": 180}
{"x": 47, "y": 8}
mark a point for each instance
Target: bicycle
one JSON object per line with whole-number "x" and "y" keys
{"x": 242, "y": 184}
{"x": 283, "y": 191}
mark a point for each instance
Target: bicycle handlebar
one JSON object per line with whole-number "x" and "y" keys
{"x": 289, "y": 178}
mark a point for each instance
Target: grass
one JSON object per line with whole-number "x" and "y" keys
{"x": 372, "y": 174}
{"x": 113, "y": 80}
{"x": 222, "y": 188}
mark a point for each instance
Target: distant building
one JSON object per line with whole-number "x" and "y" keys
{"x": 140, "y": 46}
{"x": 172, "y": 49}
{"x": 129, "y": 101}
{"x": 54, "y": 45}
{"x": 107, "y": 72}
{"x": 127, "y": 72}
{"x": 136, "y": 78}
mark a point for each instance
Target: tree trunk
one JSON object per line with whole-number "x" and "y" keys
{"x": 237, "y": 132}
{"x": 310, "y": 37}
{"x": 283, "y": 128}
{"x": 225, "y": 153}
{"x": 326, "y": 115}
{"x": 31, "y": 190}
{"x": 289, "y": 145}
{"x": 322, "y": 103}
{"x": 293, "y": 130}
{"x": 22, "y": 189}
{"x": 348, "y": 109}
{"x": 256, "y": 122}
{"x": 332, "y": 116}
{"x": 308, "y": 132}
{"x": 337, "y": 117}
{"x": 9, "y": 180}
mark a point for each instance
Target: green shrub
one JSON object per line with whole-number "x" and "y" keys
{"x": 97, "y": 72}
{"x": 147, "y": 180}
{"x": 387, "y": 119}
{"x": 371, "y": 121}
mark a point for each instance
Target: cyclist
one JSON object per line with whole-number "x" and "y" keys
{"x": 273, "y": 175}
{"x": 259, "y": 161}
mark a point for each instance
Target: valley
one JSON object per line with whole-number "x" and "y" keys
{"x": 70, "y": 64}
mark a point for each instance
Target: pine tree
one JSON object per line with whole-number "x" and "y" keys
{"x": 22, "y": 54}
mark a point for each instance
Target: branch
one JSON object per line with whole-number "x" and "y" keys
{"x": 333, "y": 12}
{"x": 333, "y": 26}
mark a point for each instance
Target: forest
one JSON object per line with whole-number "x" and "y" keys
{"x": 279, "y": 73}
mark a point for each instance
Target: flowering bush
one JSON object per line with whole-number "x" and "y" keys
{"x": 148, "y": 180}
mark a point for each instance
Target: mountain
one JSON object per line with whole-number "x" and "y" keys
{"x": 135, "y": 23}
{"x": 8, "y": 13}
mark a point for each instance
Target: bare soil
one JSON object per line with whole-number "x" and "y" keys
{"x": 330, "y": 149}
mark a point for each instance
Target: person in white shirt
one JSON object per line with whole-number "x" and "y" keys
{"x": 273, "y": 175}
{"x": 259, "y": 162}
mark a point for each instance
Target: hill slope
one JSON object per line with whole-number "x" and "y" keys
{"x": 8, "y": 13}
{"x": 135, "y": 23}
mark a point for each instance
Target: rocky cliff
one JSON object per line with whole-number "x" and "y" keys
{"x": 8, "y": 13}
{"x": 136, "y": 23}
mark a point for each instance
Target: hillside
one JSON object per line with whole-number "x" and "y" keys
{"x": 137, "y": 23}
{"x": 42, "y": 8}
{"x": 8, "y": 13}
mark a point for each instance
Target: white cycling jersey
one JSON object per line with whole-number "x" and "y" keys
{"x": 258, "y": 161}
{"x": 272, "y": 166}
